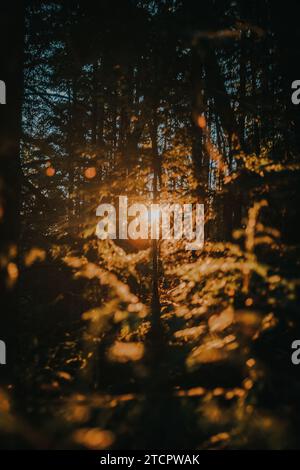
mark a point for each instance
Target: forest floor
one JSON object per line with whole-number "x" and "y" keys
{"x": 197, "y": 386}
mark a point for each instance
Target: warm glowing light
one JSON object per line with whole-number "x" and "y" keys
{"x": 90, "y": 172}
{"x": 4, "y": 402}
{"x": 250, "y": 362}
{"x": 155, "y": 213}
{"x": 94, "y": 438}
{"x": 124, "y": 352}
{"x": 50, "y": 171}
{"x": 13, "y": 272}
{"x": 33, "y": 255}
{"x": 248, "y": 384}
{"x": 201, "y": 121}
{"x": 137, "y": 228}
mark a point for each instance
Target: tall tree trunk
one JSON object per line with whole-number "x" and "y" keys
{"x": 95, "y": 110}
{"x": 156, "y": 165}
{"x": 11, "y": 60}
{"x": 200, "y": 158}
{"x": 242, "y": 90}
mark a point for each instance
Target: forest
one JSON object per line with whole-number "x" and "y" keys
{"x": 140, "y": 343}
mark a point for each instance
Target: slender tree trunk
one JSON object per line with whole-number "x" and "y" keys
{"x": 198, "y": 107}
{"x": 242, "y": 90}
{"x": 95, "y": 104}
{"x": 156, "y": 164}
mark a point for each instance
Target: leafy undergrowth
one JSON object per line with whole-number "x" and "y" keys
{"x": 213, "y": 372}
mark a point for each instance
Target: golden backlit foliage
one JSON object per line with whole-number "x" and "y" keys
{"x": 124, "y": 352}
{"x": 212, "y": 316}
{"x": 93, "y": 438}
{"x": 34, "y": 255}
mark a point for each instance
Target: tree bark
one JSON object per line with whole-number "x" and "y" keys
{"x": 11, "y": 60}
